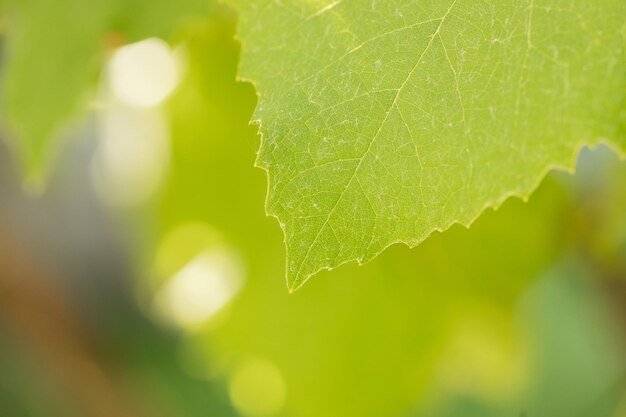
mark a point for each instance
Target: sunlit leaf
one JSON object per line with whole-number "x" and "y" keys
{"x": 383, "y": 121}
{"x": 370, "y": 341}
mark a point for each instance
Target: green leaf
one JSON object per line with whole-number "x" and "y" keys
{"x": 383, "y": 121}
{"x": 49, "y": 70}
{"x": 412, "y": 326}
{"x": 382, "y": 335}
{"x": 55, "y": 51}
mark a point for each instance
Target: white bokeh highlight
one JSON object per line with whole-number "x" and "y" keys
{"x": 201, "y": 289}
{"x": 145, "y": 73}
{"x": 132, "y": 157}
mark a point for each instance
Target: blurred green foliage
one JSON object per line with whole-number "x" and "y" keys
{"x": 54, "y": 52}
{"x": 518, "y": 315}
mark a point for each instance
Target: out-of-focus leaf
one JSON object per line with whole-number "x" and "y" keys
{"x": 575, "y": 363}
{"x": 384, "y": 121}
{"x": 54, "y": 52}
{"x": 577, "y": 346}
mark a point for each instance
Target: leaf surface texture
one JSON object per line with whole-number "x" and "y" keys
{"x": 384, "y": 121}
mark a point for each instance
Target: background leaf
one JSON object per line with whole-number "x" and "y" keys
{"x": 55, "y": 51}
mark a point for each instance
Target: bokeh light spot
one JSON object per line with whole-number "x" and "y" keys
{"x": 201, "y": 288}
{"x": 257, "y": 388}
{"x": 143, "y": 74}
{"x": 133, "y": 155}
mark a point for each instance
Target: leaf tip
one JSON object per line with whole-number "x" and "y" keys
{"x": 294, "y": 285}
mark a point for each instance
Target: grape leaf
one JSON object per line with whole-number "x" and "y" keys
{"x": 410, "y": 323}
{"x": 384, "y": 121}
{"x": 439, "y": 318}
